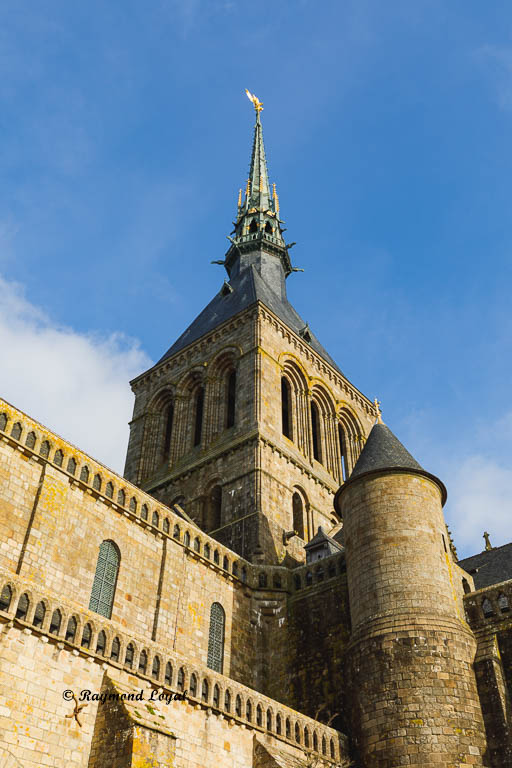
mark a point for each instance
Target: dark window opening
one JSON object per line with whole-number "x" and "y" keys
{"x": 298, "y": 515}
{"x": 342, "y": 452}
{"x": 198, "y": 426}
{"x": 253, "y": 226}
{"x": 315, "y": 432}
{"x": 169, "y": 416}
{"x": 285, "y": 408}
{"x": 268, "y": 228}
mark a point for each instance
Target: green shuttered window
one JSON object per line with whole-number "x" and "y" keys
{"x": 216, "y": 638}
{"x": 104, "y": 584}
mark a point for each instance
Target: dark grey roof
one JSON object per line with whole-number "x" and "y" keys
{"x": 321, "y": 537}
{"x": 248, "y": 287}
{"x": 383, "y": 451}
{"x": 489, "y": 567}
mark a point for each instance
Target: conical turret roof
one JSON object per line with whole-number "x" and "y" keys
{"x": 383, "y": 450}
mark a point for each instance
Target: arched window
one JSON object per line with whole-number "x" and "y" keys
{"x": 216, "y": 557}
{"x": 268, "y": 228}
{"x": 227, "y": 701}
{"x": 332, "y": 749}
{"x": 86, "y": 636}
{"x": 39, "y": 615}
{"x": 166, "y": 525}
{"x": 5, "y": 598}
{"x": 101, "y": 643}
{"x": 109, "y": 490}
{"x": 315, "y": 741}
{"x": 315, "y": 432}
{"x": 128, "y": 659}
{"x": 269, "y": 720}
{"x": 197, "y": 544}
{"x": 3, "y": 421}
{"x": 58, "y": 458}
{"x": 198, "y": 415}
{"x": 216, "y": 638}
{"x": 306, "y": 737}
{"x": 253, "y": 226}
{"x": 96, "y": 483}
{"x": 207, "y": 551}
{"x": 144, "y": 512}
{"x": 487, "y": 607}
{"x": 104, "y": 585}
{"x": 259, "y": 715}
{"x": 503, "y": 604}
{"x": 186, "y": 539}
{"x": 71, "y": 630}
{"x": 155, "y": 668}
{"x": 238, "y": 706}
{"x": 298, "y": 514}
{"x": 231, "y": 399}
{"x": 31, "y": 440}
{"x": 169, "y": 419}
{"x": 55, "y": 622}
{"x": 465, "y": 586}
{"x": 155, "y": 519}
{"x": 278, "y": 724}
{"x": 181, "y": 679}
{"x": 143, "y": 662}
{"x": 193, "y": 684}
{"x": 84, "y": 474}
{"x": 44, "y": 451}
{"x": 168, "y": 673}
{"x": 225, "y": 563}
{"x": 116, "y": 649}
{"x": 286, "y": 410}
{"x": 248, "y": 711}
{"x": 16, "y": 431}
{"x": 297, "y": 733}
{"x": 216, "y": 696}
{"x": 22, "y": 609}
{"x": 176, "y": 532}
{"x": 324, "y": 746}
{"x": 204, "y": 690}
{"x": 71, "y": 466}
{"x": 133, "y": 504}
{"x": 121, "y": 497}
{"x": 288, "y": 730}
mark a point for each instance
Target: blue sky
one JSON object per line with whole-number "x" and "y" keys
{"x": 125, "y": 137}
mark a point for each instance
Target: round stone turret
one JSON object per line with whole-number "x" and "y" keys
{"x": 409, "y": 663}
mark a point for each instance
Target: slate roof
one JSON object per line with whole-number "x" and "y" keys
{"x": 319, "y": 538}
{"x": 489, "y": 567}
{"x": 248, "y": 288}
{"x": 383, "y": 450}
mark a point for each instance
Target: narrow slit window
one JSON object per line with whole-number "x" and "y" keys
{"x": 285, "y": 408}
{"x": 198, "y": 425}
{"x": 169, "y": 418}
{"x": 315, "y": 427}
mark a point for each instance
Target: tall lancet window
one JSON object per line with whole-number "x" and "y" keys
{"x": 315, "y": 429}
{"x": 104, "y": 585}
{"x": 198, "y": 416}
{"x": 343, "y": 453}
{"x": 286, "y": 407}
{"x": 231, "y": 400}
{"x": 216, "y": 638}
{"x": 169, "y": 418}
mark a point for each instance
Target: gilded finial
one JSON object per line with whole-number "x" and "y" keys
{"x": 274, "y": 189}
{"x": 488, "y": 544}
{"x": 240, "y": 198}
{"x": 377, "y": 408}
{"x": 276, "y": 201}
{"x": 258, "y": 105}
{"x": 248, "y": 188}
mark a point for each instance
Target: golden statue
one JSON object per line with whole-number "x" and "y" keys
{"x": 377, "y": 408}
{"x": 258, "y": 105}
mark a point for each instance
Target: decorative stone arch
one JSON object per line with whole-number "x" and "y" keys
{"x": 295, "y": 386}
{"x": 222, "y": 385}
{"x": 159, "y": 431}
{"x": 322, "y": 412}
{"x": 189, "y": 415}
{"x": 350, "y": 441}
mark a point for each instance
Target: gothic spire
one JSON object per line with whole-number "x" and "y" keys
{"x": 257, "y": 225}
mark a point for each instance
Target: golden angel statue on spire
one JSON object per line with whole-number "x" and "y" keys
{"x": 258, "y": 105}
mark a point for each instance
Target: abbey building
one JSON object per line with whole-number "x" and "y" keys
{"x": 270, "y": 584}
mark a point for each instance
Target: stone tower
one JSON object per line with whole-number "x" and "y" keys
{"x": 409, "y": 662}
{"x": 246, "y": 423}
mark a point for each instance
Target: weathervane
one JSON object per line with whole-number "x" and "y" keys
{"x": 258, "y": 105}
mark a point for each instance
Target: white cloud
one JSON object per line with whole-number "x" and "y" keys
{"x": 75, "y": 384}
{"x": 480, "y": 499}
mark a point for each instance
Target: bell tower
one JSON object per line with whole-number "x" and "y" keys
{"x": 246, "y": 423}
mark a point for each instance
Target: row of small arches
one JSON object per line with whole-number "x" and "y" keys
{"x": 319, "y": 573}
{"x": 165, "y": 672}
{"x": 502, "y": 604}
